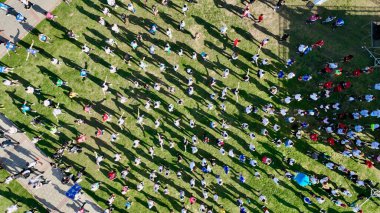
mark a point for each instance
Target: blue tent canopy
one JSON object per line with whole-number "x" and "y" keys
{"x": 73, "y": 191}
{"x": 302, "y": 179}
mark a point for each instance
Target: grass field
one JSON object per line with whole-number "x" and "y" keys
{"x": 14, "y": 192}
{"x": 205, "y": 17}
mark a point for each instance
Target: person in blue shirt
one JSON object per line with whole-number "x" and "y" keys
{"x": 25, "y": 108}
{"x": 242, "y": 158}
{"x": 31, "y": 51}
{"x": 307, "y": 200}
{"x": 128, "y": 204}
{"x": 4, "y": 69}
{"x": 83, "y": 73}
{"x": 306, "y": 77}
{"x": 226, "y": 169}
{"x": 204, "y": 169}
{"x": 241, "y": 178}
{"x": 153, "y": 29}
{"x": 20, "y": 18}
{"x": 281, "y": 74}
{"x": 10, "y": 47}
{"x": 43, "y": 38}
{"x": 338, "y": 23}
{"x": 204, "y": 56}
{"x": 243, "y": 210}
{"x": 6, "y": 8}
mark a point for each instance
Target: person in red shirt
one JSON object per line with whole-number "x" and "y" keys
{"x": 368, "y": 163}
{"x": 319, "y": 44}
{"x": 357, "y": 73}
{"x": 81, "y": 138}
{"x": 346, "y": 84}
{"x": 343, "y": 126}
{"x": 331, "y": 141}
{"x": 338, "y": 88}
{"x": 326, "y": 69}
{"x": 99, "y": 132}
{"x": 236, "y": 42}
{"x": 328, "y": 85}
{"x": 266, "y": 160}
{"x": 260, "y": 18}
{"x": 105, "y": 117}
{"x": 111, "y": 175}
{"x": 314, "y": 136}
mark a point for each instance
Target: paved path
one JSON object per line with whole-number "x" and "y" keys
{"x": 51, "y": 195}
{"x": 11, "y": 30}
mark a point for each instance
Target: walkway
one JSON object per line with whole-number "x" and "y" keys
{"x": 51, "y": 195}
{"x": 11, "y": 30}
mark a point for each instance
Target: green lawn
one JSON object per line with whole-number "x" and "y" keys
{"x": 14, "y": 192}
{"x": 205, "y": 17}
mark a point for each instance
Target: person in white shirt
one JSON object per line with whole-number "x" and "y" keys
{"x": 255, "y": 59}
{"x": 223, "y": 30}
{"x": 95, "y": 186}
{"x": 287, "y": 100}
{"x": 265, "y": 121}
{"x": 169, "y": 33}
{"x": 298, "y": 97}
{"x": 330, "y": 165}
{"x": 12, "y": 208}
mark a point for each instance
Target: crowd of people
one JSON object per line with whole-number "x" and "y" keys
{"x": 332, "y": 124}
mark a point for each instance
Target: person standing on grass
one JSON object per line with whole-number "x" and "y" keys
{"x": 182, "y": 25}
{"x": 4, "y": 69}
{"x": 50, "y": 16}
{"x": 247, "y": 13}
{"x": 128, "y": 203}
{"x": 264, "y": 42}
{"x": 10, "y": 47}
{"x": 236, "y": 43}
{"x": 185, "y": 8}
{"x": 260, "y": 18}
{"x": 98, "y": 159}
{"x": 151, "y": 203}
{"x": 31, "y": 51}
{"x": 223, "y": 30}
{"x": 13, "y": 208}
